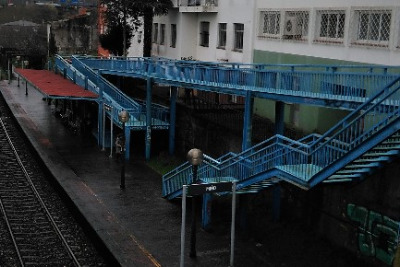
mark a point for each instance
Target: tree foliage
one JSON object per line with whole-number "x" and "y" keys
{"x": 113, "y": 40}
{"x": 127, "y": 12}
{"x": 34, "y": 13}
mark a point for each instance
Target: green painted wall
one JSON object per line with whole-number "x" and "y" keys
{"x": 310, "y": 118}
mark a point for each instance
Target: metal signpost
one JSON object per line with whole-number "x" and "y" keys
{"x": 200, "y": 189}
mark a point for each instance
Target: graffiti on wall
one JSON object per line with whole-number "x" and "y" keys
{"x": 378, "y": 235}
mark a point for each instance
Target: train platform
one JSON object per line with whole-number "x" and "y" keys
{"x": 136, "y": 224}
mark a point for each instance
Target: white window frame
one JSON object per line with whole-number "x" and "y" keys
{"x": 162, "y": 34}
{"x": 173, "y": 35}
{"x": 222, "y": 35}
{"x": 368, "y": 40}
{"x": 155, "y": 33}
{"x": 204, "y": 34}
{"x": 305, "y": 26}
{"x": 274, "y": 21}
{"x": 338, "y": 28}
{"x": 238, "y": 37}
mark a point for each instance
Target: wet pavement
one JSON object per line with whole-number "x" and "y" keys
{"x": 137, "y": 225}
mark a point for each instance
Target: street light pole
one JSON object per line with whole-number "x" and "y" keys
{"x": 123, "y": 117}
{"x": 195, "y": 157}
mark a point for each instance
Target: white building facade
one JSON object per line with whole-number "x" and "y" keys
{"x": 238, "y": 31}
{"x": 283, "y": 32}
{"x": 208, "y": 30}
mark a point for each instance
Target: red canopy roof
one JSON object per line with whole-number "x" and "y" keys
{"x": 52, "y": 84}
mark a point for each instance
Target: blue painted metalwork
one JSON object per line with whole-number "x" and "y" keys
{"x": 172, "y": 120}
{"x": 206, "y": 211}
{"x": 248, "y": 121}
{"x": 279, "y": 117}
{"x": 127, "y": 143}
{"x": 149, "y": 90}
{"x": 313, "y": 159}
{"x": 346, "y": 87}
{"x": 372, "y": 92}
{"x": 276, "y": 203}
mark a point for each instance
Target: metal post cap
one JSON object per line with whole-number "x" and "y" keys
{"x": 195, "y": 156}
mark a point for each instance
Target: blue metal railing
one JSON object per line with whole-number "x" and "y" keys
{"x": 376, "y": 90}
{"x": 347, "y": 83}
{"x": 308, "y": 156}
{"x": 83, "y": 75}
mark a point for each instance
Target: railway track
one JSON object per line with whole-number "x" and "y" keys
{"x": 36, "y": 227}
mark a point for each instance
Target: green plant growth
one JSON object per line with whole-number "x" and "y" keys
{"x": 164, "y": 163}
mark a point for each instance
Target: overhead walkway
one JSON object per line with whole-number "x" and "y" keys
{"x": 355, "y": 147}
{"x": 364, "y": 141}
{"x": 359, "y": 144}
{"x": 343, "y": 87}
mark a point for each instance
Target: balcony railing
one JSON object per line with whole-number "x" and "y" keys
{"x": 198, "y": 6}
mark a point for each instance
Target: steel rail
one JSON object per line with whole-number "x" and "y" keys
{"x": 39, "y": 198}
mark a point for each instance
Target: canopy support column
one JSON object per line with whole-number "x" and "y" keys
{"x": 248, "y": 119}
{"x": 279, "y": 117}
{"x": 127, "y": 131}
{"x": 172, "y": 120}
{"x": 100, "y": 111}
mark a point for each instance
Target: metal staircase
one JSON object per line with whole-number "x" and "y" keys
{"x": 83, "y": 75}
{"x": 358, "y": 145}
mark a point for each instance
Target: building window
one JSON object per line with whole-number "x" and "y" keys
{"x": 173, "y": 35}
{"x": 155, "y": 33}
{"x": 373, "y": 27}
{"x": 238, "y": 42}
{"x": 222, "y": 35}
{"x": 270, "y": 23}
{"x": 162, "y": 34}
{"x": 331, "y": 25}
{"x": 204, "y": 33}
{"x": 296, "y": 25}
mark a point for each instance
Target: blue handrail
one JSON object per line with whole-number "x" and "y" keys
{"x": 308, "y": 156}
{"x": 345, "y": 83}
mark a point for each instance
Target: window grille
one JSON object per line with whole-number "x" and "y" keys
{"x": 239, "y": 31}
{"x": 296, "y": 25}
{"x": 204, "y": 33}
{"x": 155, "y": 33}
{"x": 331, "y": 25}
{"x": 270, "y": 23}
{"x": 372, "y": 27}
{"x": 221, "y": 35}
{"x": 162, "y": 34}
{"x": 173, "y": 35}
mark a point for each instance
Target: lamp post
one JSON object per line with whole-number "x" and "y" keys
{"x": 123, "y": 118}
{"x": 195, "y": 157}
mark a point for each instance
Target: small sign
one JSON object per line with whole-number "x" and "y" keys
{"x": 199, "y": 189}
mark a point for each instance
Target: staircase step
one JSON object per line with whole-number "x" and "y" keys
{"x": 345, "y": 176}
{"x": 337, "y": 180}
{"x": 366, "y": 165}
{"x": 386, "y": 147}
{"x": 353, "y": 171}
{"x": 378, "y": 154}
{"x": 376, "y": 159}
